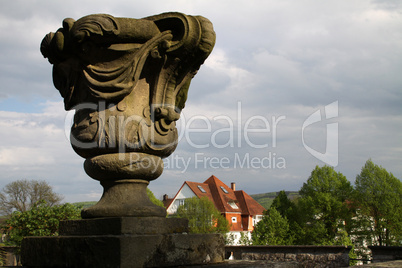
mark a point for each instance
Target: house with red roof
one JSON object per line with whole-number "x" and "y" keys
{"x": 240, "y": 209}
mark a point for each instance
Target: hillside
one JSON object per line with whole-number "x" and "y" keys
{"x": 86, "y": 204}
{"x": 266, "y": 199}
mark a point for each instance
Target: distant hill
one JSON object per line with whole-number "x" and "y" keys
{"x": 266, "y": 199}
{"x": 85, "y": 204}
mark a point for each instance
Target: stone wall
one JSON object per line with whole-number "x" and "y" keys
{"x": 383, "y": 254}
{"x": 296, "y": 256}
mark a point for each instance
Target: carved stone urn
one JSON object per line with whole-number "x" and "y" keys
{"x": 127, "y": 80}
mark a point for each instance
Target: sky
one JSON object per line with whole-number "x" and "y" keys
{"x": 290, "y": 85}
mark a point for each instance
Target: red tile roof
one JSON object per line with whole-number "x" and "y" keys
{"x": 195, "y": 187}
{"x": 225, "y": 199}
{"x": 222, "y": 195}
{"x": 248, "y": 204}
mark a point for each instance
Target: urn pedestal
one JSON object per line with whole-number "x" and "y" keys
{"x": 124, "y": 178}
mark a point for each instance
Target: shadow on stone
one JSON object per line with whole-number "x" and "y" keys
{"x": 123, "y": 242}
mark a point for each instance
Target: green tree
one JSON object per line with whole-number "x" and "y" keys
{"x": 245, "y": 239}
{"x": 40, "y": 220}
{"x": 153, "y": 199}
{"x": 273, "y": 229}
{"x": 378, "y": 198}
{"x": 21, "y": 195}
{"x": 289, "y": 210}
{"x": 343, "y": 239}
{"x": 283, "y": 204}
{"x": 324, "y": 205}
{"x": 203, "y": 216}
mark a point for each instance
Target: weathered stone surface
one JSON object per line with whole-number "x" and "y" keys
{"x": 127, "y": 80}
{"x": 292, "y": 256}
{"x": 388, "y": 264}
{"x": 135, "y": 166}
{"x": 386, "y": 253}
{"x": 124, "y": 198}
{"x": 124, "y": 225}
{"x": 123, "y": 242}
{"x": 161, "y": 250}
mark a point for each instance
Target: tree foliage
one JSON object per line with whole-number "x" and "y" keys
{"x": 324, "y": 205}
{"x": 378, "y": 198}
{"x": 330, "y": 211}
{"x": 153, "y": 199}
{"x": 319, "y": 216}
{"x": 291, "y": 211}
{"x": 21, "y": 195}
{"x": 245, "y": 239}
{"x": 273, "y": 229}
{"x": 41, "y": 220}
{"x": 286, "y": 207}
{"x": 203, "y": 216}
{"x": 282, "y": 204}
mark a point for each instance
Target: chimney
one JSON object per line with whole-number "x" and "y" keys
{"x": 165, "y": 197}
{"x": 233, "y": 186}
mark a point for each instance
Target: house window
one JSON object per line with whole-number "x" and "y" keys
{"x": 181, "y": 202}
{"x": 233, "y": 204}
{"x": 234, "y": 219}
{"x": 256, "y": 219}
{"x": 201, "y": 189}
{"x": 224, "y": 190}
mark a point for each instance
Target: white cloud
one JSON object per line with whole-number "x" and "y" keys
{"x": 17, "y": 156}
{"x": 34, "y": 146}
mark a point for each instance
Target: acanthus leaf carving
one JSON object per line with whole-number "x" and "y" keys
{"x": 131, "y": 65}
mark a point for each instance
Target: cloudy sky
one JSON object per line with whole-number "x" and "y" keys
{"x": 289, "y": 85}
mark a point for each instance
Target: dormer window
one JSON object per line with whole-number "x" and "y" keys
{"x": 233, "y": 205}
{"x": 224, "y": 190}
{"x": 201, "y": 189}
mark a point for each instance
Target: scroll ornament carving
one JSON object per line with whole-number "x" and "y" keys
{"x": 127, "y": 78}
